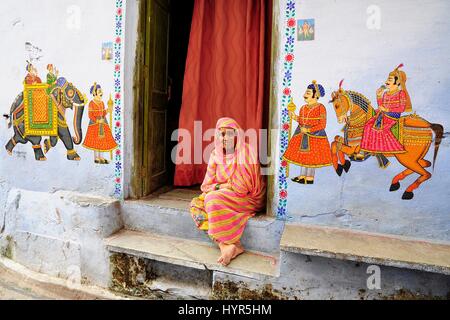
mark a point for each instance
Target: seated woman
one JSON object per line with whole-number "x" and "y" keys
{"x": 233, "y": 190}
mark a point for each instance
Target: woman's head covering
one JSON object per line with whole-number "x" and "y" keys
{"x": 243, "y": 164}
{"x": 401, "y": 75}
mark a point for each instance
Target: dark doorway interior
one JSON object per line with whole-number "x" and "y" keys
{"x": 181, "y": 17}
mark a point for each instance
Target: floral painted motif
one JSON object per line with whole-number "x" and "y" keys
{"x": 118, "y": 43}
{"x": 289, "y": 58}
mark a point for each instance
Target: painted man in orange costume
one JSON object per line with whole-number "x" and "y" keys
{"x": 378, "y": 137}
{"x": 99, "y": 137}
{"x": 309, "y": 146}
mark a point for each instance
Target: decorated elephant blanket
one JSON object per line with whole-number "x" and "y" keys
{"x": 40, "y": 111}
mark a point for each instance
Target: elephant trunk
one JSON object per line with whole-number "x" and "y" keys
{"x": 77, "y": 118}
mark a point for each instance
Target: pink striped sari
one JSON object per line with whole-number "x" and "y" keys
{"x": 224, "y": 213}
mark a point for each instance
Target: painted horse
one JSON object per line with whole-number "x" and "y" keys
{"x": 416, "y": 135}
{"x": 64, "y": 96}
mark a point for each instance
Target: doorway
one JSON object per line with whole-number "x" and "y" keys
{"x": 164, "y": 32}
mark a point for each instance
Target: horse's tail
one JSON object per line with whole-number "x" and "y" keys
{"x": 439, "y": 134}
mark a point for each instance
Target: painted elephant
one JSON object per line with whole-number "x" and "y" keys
{"x": 66, "y": 96}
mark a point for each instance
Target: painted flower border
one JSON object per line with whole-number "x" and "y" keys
{"x": 288, "y": 64}
{"x": 118, "y": 101}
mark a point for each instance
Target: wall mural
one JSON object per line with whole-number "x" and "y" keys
{"x": 117, "y": 117}
{"x": 39, "y": 111}
{"x": 283, "y": 171}
{"x": 385, "y": 132}
{"x": 306, "y": 30}
{"x": 382, "y": 132}
{"x": 309, "y": 147}
{"x": 98, "y": 136}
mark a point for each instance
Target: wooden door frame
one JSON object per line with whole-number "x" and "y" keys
{"x": 139, "y": 172}
{"x": 139, "y": 91}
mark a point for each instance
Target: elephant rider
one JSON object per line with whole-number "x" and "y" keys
{"x": 378, "y": 137}
{"x": 32, "y": 76}
{"x": 52, "y": 77}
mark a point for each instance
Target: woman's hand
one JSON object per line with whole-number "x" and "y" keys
{"x": 226, "y": 186}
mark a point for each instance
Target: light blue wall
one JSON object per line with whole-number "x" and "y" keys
{"x": 415, "y": 33}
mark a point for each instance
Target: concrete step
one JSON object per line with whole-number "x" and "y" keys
{"x": 380, "y": 249}
{"x": 169, "y": 215}
{"x": 191, "y": 254}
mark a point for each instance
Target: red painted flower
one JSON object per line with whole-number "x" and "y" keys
{"x": 117, "y": 180}
{"x": 289, "y": 57}
{"x": 118, "y": 124}
{"x": 118, "y": 152}
{"x": 118, "y": 40}
{"x": 287, "y": 92}
{"x": 117, "y": 96}
{"x": 284, "y": 163}
{"x": 117, "y": 67}
{"x": 119, "y": 11}
{"x": 283, "y": 194}
{"x": 286, "y": 126}
{"x": 291, "y": 23}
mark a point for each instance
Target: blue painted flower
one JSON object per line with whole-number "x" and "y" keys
{"x": 288, "y": 75}
{"x": 281, "y": 212}
{"x": 290, "y": 40}
{"x": 291, "y": 5}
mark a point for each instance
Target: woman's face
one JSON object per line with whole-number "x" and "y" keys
{"x": 227, "y": 138}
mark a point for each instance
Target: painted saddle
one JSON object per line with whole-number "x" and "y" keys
{"x": 40, "y": 111}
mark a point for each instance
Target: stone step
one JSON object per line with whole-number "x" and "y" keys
{"x": 380, "y": 249}
{"x": 191, "y": 254}
{"x": 170, "y": 216}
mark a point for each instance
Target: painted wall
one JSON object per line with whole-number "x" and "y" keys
{"x": 350, "y": 44}
{"x": 70, "y": 35}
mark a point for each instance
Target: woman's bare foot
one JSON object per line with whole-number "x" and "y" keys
{"x": 229, "y": 252}
{"x": 239, "y": 250}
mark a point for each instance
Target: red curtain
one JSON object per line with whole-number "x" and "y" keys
{"x": 226, "y": 71}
